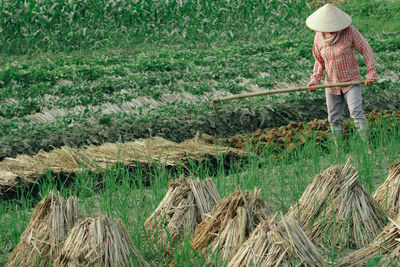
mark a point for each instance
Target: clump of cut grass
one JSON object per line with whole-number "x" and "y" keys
{"x": 182, "y": 209}
{"x": 388, "y": 194}
{"x": 99, "y": 241}
{"x": 281, "y": 243}
{"x": 49, "y": 226}
{"x": 336, "y": 211}
{"x": 230, "y": 223}
{"x": 385, "y": 248}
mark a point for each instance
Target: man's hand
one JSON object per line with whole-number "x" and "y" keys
{"x": 369, "y": 82}
{"x": 311, "y": 87}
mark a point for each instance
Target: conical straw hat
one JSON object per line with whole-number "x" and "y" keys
{"x": 328, "y": 19}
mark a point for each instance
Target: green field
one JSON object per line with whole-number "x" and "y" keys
{"x": 88, "y": 72}
{"x": 160, "y": 88}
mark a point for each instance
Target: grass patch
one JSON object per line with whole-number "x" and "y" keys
{"x": 282, "y": 180}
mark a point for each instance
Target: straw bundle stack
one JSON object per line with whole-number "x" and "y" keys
{"x": 388, "y": 194}
{"x": 230, "y": 223}
{"x": 337, "y": 211}
{"x": 50, "y": 224}
{"x": 183, "y": 207}
{"x": 99, "y": 242}
{"x": 281, "y": 243}
{"x": 386, "y": 245}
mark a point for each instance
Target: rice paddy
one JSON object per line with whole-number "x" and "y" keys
{"x": 111, "y": 155}
{"x": 118, "y": 193}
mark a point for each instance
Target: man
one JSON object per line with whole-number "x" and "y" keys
{"x": 333, "y": 50}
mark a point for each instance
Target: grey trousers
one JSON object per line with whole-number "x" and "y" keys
{"x": 336, "y": 105}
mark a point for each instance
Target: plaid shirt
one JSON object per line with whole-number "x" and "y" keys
{"x": 339, "y": 59}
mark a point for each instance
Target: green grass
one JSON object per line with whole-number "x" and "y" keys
{"x": 53, "y": 24}
{"x": 282, "y": 180}
{"x": 374, "y": 16}
{"x": 73, "y": 62}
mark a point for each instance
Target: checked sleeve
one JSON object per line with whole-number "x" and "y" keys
{"x": 319, "y": 65}
{"x": 366, "y": 51}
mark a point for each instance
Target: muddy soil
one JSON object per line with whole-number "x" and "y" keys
{"x": 289, "y": 136}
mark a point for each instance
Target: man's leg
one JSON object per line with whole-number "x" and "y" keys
{"x": 354, "y": 102}
{"x": 335, "y": 105}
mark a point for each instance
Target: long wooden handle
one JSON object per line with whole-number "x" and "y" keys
{"x": 279, "y": 91}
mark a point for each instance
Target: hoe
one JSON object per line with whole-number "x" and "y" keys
{"x": 277, "y": 91}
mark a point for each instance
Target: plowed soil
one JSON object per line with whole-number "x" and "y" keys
{"x": 289, "y": 136}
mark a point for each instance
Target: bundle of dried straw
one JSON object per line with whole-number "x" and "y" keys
{"x": 230, "y": 223}
{"x": 388, "y": 194}
{"x": 386, "y": 245}
{"x": 335, "y": 210}
{"x": 50, "y": 224}
{"x": 183, "y": 207}
{"x": 156, "y": 150}
{"x": 99, "y": 242}
{"x": 281, "y": 243}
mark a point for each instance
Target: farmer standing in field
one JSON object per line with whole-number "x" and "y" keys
{"x": 333, "y": 50}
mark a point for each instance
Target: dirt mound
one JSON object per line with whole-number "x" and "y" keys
{"x": 285, "y": 137}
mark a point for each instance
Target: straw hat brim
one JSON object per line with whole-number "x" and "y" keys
{"x": 328, "y": 19}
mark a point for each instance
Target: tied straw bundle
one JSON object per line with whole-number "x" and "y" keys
{"x": 100, "y": 242}
{"x": 388, "y": 194}
{"x": 335, "y": 210}
{"x": 386, "y": 246}
{"x": 281, "y": 243}
{"x": 183, "y": 207}
{"x": 50, "y": 223}
{"x": 230, "y": 223}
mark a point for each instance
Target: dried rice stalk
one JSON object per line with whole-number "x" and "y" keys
{"x": 387, "y": 245}
{"x": 99, "y": 242}
{"x": 335, "y": 210}
{"x": 183, "y": 207}
{"x": 281, "y": 243}
{"x": 26, "y": 169}
{"x": 388, "y": 194}
{"x": 230, "y": 223}
{"x": 50, "y": 224}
